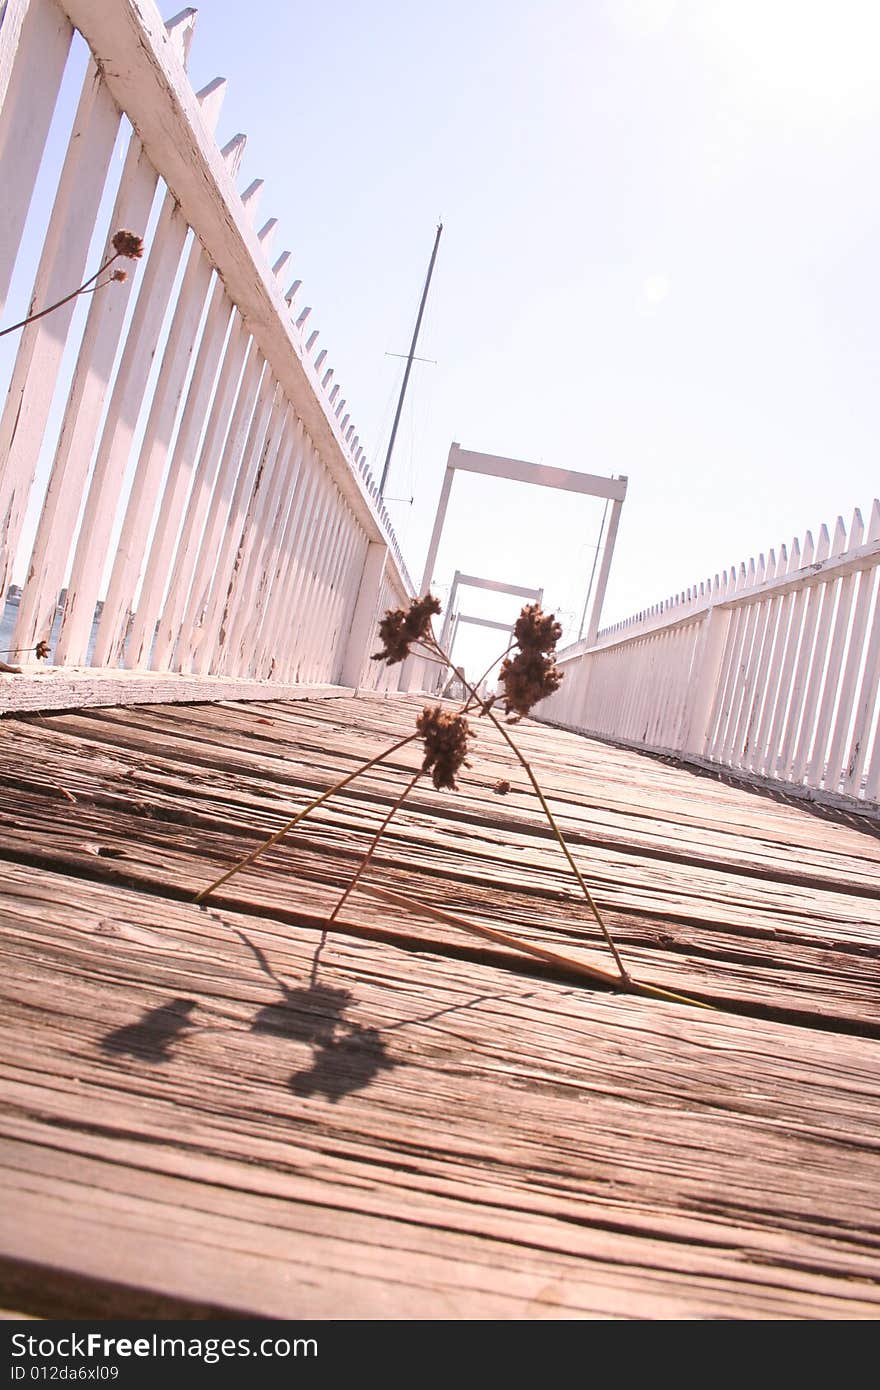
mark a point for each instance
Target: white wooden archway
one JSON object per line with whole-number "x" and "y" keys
{"x": 473, "y": 581}
{"x": 539, "y": 475}
{"x": 457, "y": 620}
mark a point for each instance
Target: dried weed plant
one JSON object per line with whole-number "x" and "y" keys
{"x": 528, "y": 674}
{"x": 124, "y": 243}
{"x": 41, "y": 651}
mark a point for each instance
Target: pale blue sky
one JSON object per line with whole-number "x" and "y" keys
{"x": 659, "y": 259}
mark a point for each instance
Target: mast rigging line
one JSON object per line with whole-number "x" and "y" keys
{"x": 409, "y": 362}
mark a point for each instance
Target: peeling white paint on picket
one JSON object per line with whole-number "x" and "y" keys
{"x": 41, "y": 345}
{"x": 208, "y": 502}
{"x": 771, "y": 670}
{"x": 34, "y": 43}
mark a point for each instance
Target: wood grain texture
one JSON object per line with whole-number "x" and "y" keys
{"x": 64, "y": 687}
{"x": 205, "y": 1111}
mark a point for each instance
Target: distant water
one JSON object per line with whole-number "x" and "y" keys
{"x": 7, "y": 629}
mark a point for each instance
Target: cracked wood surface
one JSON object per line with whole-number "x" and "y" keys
{"x": 424, "y": 1126}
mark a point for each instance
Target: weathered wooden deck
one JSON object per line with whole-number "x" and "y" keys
{"x": 196, "y": 1117}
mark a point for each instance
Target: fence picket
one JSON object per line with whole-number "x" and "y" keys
{"x": 277, "y": 611}
{"x": 731, "y": 748}
{"x": 91, "y": 378}
{"x": 152, "y": 457}
{"x": 221, "y": 425}
{"x": 809, "y": 600}
{"x": 845, "y": 712}
{"x": 758, "y": 665}
{"x": 237, "y": 610}
{"x": 33, "y": 53}
{"x": 180, "y": 479}
{"x": 61, "y": 269}
{"x": 820, "y": 766}
{"x": 229, "y": 550}
{"x": 263, "y": 532}
{"x": 126, "y": 401}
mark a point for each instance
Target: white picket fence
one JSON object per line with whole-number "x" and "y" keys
{"x": 217, "y": 499}
{"x": 771, "y": 670}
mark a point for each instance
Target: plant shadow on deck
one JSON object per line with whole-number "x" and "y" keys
{"x": 152, "y": 1038}
{"x": 346, "y": 1055}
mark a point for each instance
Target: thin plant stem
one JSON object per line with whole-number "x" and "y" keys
{"x": 506, "y": 652}
{"x": 473, "y": 698}
{"x": 32, "y": 318}
{"x": 362, "y": 867}
{"x": 433, "y": 645}
{"x": 569, "y": 963}
{"x": 503, "y": 938}
{"x": 478, "y": 683}
{"x": 434, "y": 660}
{"x": 361, "y": 870}
{"x": 99, "y": 286}
{"x": 312, "y": 806}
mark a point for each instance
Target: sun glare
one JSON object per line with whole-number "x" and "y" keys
{"x": 813, "y": 61}
{"x": 811, "y": 58}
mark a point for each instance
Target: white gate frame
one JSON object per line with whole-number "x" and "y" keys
{"x": 477, "y": 622}
{"x": 451, "y": 618}
{"x": 495, "y": 586}
{"x": 446, "y": 680}
{"x": 539, "y": 475}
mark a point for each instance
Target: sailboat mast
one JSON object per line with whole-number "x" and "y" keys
{"x": 409, "y": 362}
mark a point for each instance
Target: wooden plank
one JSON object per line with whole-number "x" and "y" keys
{"x": 168, "y": 799}
{"x": 190, "y": 1117}
{"x": 60, "y": 688}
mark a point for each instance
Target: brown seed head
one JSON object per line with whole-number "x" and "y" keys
{"x": 532, "y": 674}
{"x": 120, "y": 275}
{"x": 537, "y": 631}
{"x": 399, "y": 628}
{"x": 128, "y": 244}
{"x": 42, "y": 650}
{"x": 527, "y": 678}
{"x": 446, "y": 744}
